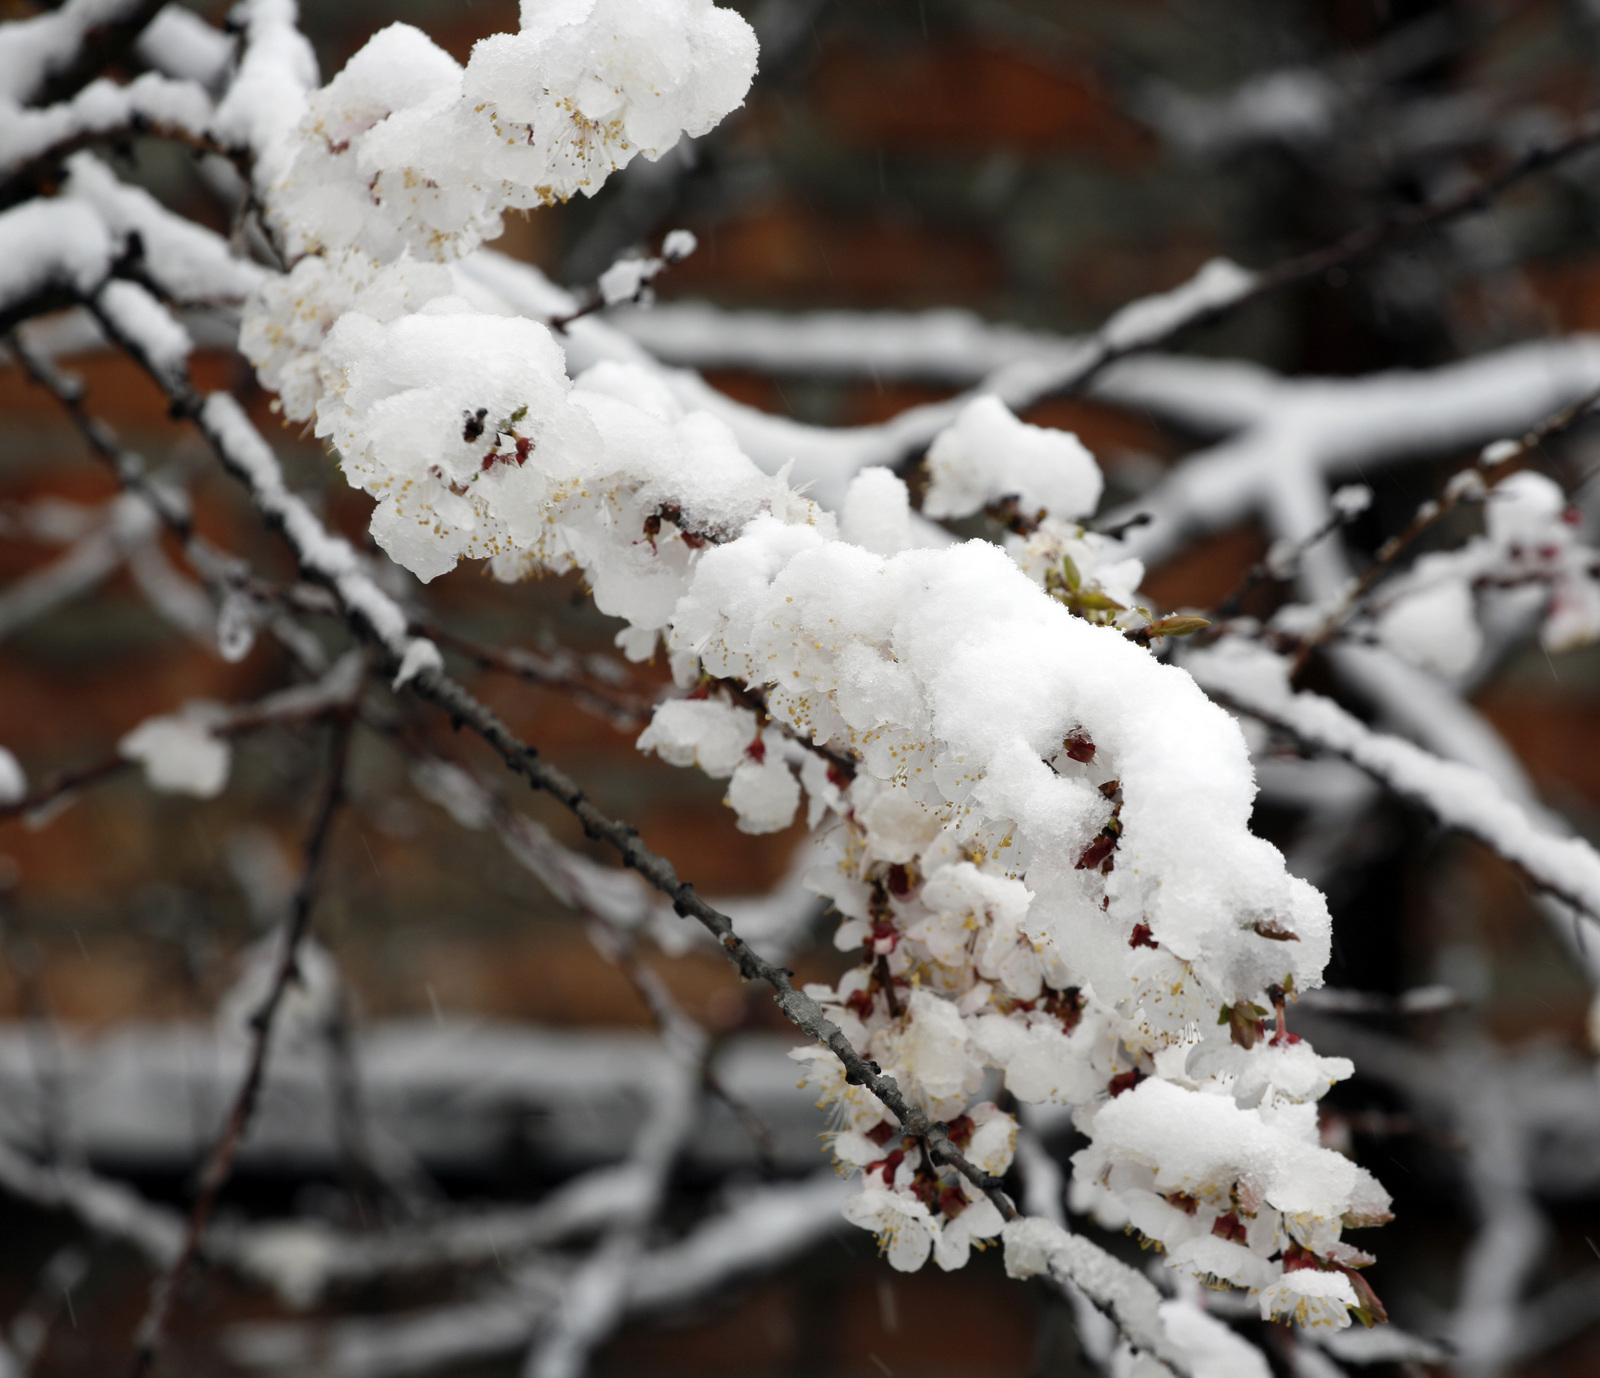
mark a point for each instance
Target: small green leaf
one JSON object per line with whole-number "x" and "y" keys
{"x": 1069, "y": 572}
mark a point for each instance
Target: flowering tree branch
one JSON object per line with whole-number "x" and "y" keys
{"x": 373, "y": 616}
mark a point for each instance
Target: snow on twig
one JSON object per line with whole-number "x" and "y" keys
{"x": 179, "y": 43}
{"x": 108, "y": 1208}
{"x": 52, "y": 254}
{"x": 760, "y": 1229}
{"x": 1318, "y": 430}
{"x": 1148, "y": 324}
{"x": 150, "y": 104}
{"x": 51, "y": 56}
{"x": 1494, "y": 463}
{"x": 1254, "y": 681}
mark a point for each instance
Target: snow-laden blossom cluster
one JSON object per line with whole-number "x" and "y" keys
{"x": 1531, "y": 539}
{"x": 1036, "y": 833}
{"x": 405, "y": 148}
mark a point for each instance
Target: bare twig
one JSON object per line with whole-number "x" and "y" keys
{"x": 152, "y": 1332}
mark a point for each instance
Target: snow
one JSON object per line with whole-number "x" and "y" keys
{"x": 1459, "y": 796}
{"x": 1299, "y": 107}
{"x": 625, "y": 279}
{"x": 1041, "y": 832}
{"x": 101, "y": 108}
{"x": 1150, "y": 320}
{"x": 1351, "y": 500}
{"x": 1034, "y": 1246}
{"x": 988, "y": 454}
{"x": 268, "y": 91}
{"x": 1213, "y": 1350}
{"x": 33, "y": 50}
{"x": 1266, "y": 1163}
{"x": 47, "y": 245}
{"x": 404, "y": 148}
{"x": 1317, "y": 431}
{"x": 13, "y": 781}
{"x": 1436, "y": 628}
{"x": 190, "y": 262}
{"x": 179, "y": 754}
{"x": 877, "y": 513}
{"x": 1428, "y": 615}
{"x": 420, "y": 656}
{"x": 678, "y": 245}
{"x": 320, "y": 554}
{"x": 181, "y": 44}
{"x": 944, "y": 346}
{"x": 135, "y": 314}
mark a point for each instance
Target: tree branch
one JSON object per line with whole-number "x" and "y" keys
{"x": 1458, "y": 796}
{"x": 73, "y": 45}
{"x": 375, "y": 617}
{"x": 1494, "y": 464}
{"x": 152, "y": 1332}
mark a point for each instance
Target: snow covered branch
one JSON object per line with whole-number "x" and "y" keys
{"x": 1028, "y": 806}
{"x": 1467, "y": 800}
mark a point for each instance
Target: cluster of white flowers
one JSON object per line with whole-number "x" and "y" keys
{"x": 405, "y": 148}
{"x": 1531, "y": 540}
{"x": 1037, "y": 832}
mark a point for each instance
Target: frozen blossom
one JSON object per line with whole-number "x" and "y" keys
{"x": 1311, "y": 1299}
{"x": 406, "y": 148}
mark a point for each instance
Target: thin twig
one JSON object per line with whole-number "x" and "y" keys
{"x": 152, "y": 1331}
{"x": 1493, "y": 464}
{"x": 438, "y": 688}
{"x": 303, "y": 703}
{"x": 621, "y": 706}
{"x": 1357, "y": 244}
